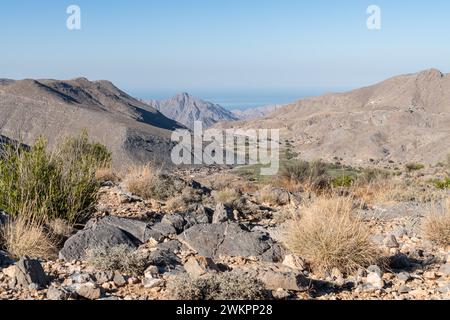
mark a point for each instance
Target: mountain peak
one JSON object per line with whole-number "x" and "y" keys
{"x": 431, "y": 73}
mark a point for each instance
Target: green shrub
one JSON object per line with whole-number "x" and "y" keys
{"x": 343, "y": 181}
{"x": 414, "y": 166}
{"x": 442, "y": 184}
{"x": 58, "y": 184}
{"x": 222, "y": 286}
{"x": 369, "y": 175}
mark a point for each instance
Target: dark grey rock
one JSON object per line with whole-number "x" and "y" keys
{"x": 165, "y": 229}
{"x": 4, "y": 217}
{"x": 164, "y": 259}
{"x": 5, "y": 260}
{"x": 230, "y": 239}
{"x": 97, "y": 236}
{"x": 176, "y": 220}
{"x": 135, "y": 229}
{"x": 29, "y": 273}
{"x": 400, "y": 261}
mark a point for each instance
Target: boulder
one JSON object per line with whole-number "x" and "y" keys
{"x": 28, "y": 273}
{"x": 138, "y": 230}
{"x": 97, "y": 236}
{"x": 230, "y": 239}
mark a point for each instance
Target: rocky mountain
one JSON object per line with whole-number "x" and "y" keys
{"x": 255, "y": 113}
{"x": 187, "y": 109}
{"x": 133, "y": 131}
{"x": 402, "y": 119}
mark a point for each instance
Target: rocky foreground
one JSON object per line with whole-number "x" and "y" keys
{"x": 202, "y": 236}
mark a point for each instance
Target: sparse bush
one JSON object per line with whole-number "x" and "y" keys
{"x": 222, "y": 286}
{"x": 226, "y": 196}
{"x": 22, "y": 236}
{"x": 313, "y": 174}
{"x": 343, "y": 181}
{"x": 148, "y": 183}
{"x": 369, "y": 175}
{"x": 442, "y": 184}
{"x": 106, "y": 173}
{"x": 267, "y": 196}
{"x": 120, "y": 258}
{"x": 60, "y": 184}
{"x": 414, "y": 166}
{"x": 329, "y": 235}
{"x": 436, "y": 225}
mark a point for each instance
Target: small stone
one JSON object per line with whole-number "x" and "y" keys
{"x": 150, "y": 283}
{"x": 391, "y": 242}
{"x": 103, "y": 277}
{"x": 199, "y": 266}
{"x": 404, "y": 277}
{"x": 375, "y": 269}
{"x": 430, "y": 275}
{"x": 119, "y": 279}
{"x": 57, "y": 294}
{"x": 89, "y": 291}
{"x": 404, "y": 290}
{"x": 294, "y": 262}
{"x": 151, "y": 272}
{"x": 375, "y": 280}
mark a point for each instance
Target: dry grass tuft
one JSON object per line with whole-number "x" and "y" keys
{"x": 329, "y": 235}
{"x": 227, "y": 196}
{"x": 24, "y": 237}
{"x": 436, "y": 225}
{"x": 106, "y": 173}
{"x": 148, "y": 183}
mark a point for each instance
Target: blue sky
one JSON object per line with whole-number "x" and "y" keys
{"x": 224, "y": 45}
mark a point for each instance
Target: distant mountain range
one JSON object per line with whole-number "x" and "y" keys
{"x": 405, "y": 118}
{"x": 254, "y": 113}
{"x": 133, "y": 131}
{"x": 187, "y": 109}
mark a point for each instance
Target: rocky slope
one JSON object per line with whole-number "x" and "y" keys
{"x": 187, "y": 109}
{"x": 132, "y": 130}
{"x": 206, "y": 239}
{"x": 406, "y": 118}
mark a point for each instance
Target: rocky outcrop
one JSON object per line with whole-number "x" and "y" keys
{"x": 230, "y": 239}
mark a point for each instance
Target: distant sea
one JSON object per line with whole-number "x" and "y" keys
{"x": 233, "y": 99}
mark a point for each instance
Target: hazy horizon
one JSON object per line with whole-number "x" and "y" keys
{"x": 221, "y": 46}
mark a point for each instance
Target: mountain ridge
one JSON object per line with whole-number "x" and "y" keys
{"x": 404, "y": 118}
